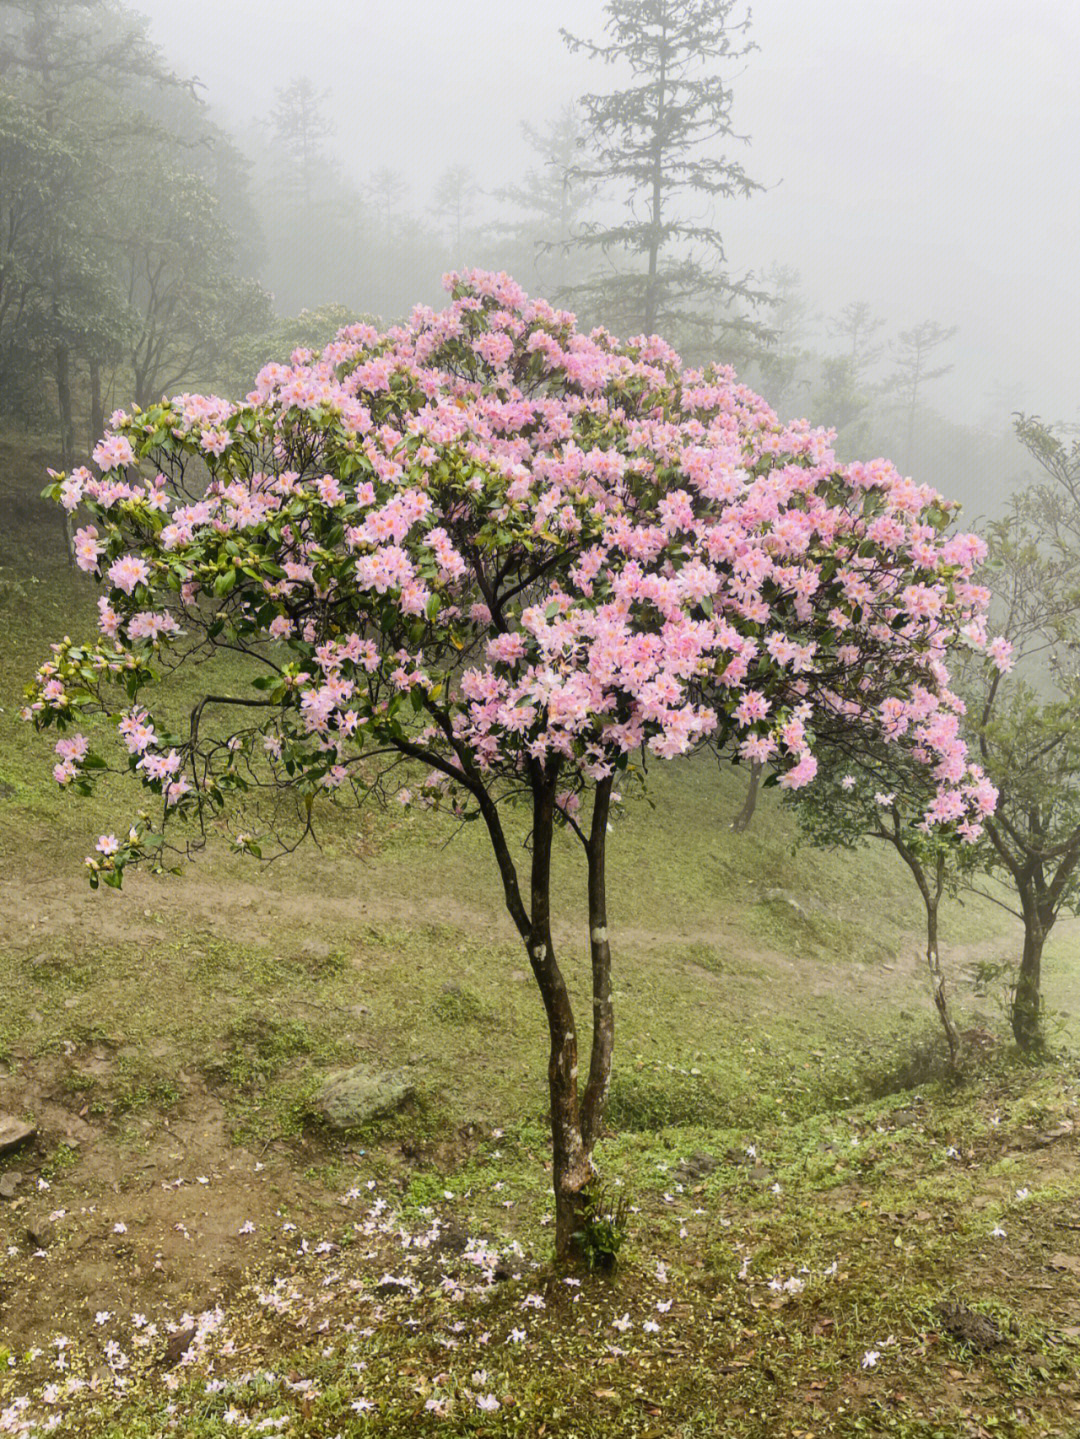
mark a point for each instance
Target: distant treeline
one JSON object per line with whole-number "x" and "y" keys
{"x": 145, "y": 250}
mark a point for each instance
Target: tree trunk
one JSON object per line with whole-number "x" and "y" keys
{"x": 1027, "y": 1000}
{"x": 952, "y": 1037}
{"x": 741, "y": 822}
{"x": 571, "y": 1167}
{"x": 62, "y": 357}
{"x": 603, "y": 1016}
{"x": 97, "y": 407}
{"x": 656, "y": 213}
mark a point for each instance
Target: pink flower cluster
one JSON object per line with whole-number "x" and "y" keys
{"x": 557, "y": 547}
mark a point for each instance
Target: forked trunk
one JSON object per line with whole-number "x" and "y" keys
{"x": 571, "y": 1167}
{"x": 575, "y": 1118}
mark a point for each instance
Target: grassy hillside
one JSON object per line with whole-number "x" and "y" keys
{"x": 805, "y": 1193}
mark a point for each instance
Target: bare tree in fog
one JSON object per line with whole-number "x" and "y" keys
{"x": 914, "y": 369}
{"x": 784, "y": 361}
{"x": 387, "y": 192}
{"x": 300, "y": 126}
{"x": 550, "y": 202}
{"x": 453, "y": 205}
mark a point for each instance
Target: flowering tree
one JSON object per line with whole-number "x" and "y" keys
{"x": 1026, "y": 723}
{"x": 513, "y": 554}
{"x": 880, "y": 791}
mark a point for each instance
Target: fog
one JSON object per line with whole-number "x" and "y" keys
{"x": 917, "y": 155}
{"x": 904, "y": 160}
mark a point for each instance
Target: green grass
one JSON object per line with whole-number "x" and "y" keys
{"x": 768, "y": 998}
{"x": 778, "y": 1276}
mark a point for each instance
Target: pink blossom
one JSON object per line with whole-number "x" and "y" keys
{"x": 113, "y": 452}
{"x": 87, "y": 548}
{"x": 129, "y": 571}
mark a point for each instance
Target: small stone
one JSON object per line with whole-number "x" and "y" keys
{"x": 41, "y": 1233}
{"x": 14, "y": 1133}
{"x": 177, "y": 1346}
{"x": 9, "y": 1183}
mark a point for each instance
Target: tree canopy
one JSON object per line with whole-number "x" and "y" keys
{"x": 517, "y": 557}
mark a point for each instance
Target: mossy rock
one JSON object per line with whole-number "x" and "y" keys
{"x": 351, "y": 1098}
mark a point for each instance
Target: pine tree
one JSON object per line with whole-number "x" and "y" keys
{"x": 656, "y": 142}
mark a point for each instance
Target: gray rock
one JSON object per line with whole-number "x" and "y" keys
{"x": 354, "y": 1097}
{"x": 696, "y": 1167}
{"x": 9, "y": 1184}
{"x": 14, "y": 1133}
{"x": 783, "y": 896}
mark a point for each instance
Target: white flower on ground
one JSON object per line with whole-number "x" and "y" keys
{"x": 870, "y": 1359}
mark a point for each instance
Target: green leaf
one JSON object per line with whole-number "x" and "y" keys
{"x": 225, "y": 582}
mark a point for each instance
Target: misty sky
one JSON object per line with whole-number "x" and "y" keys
{"x": 921, "y": 154}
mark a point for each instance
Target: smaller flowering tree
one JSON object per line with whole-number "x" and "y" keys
{"x": 882, "y": 792}
{"x": 513, "y": 555}
{"x": 1023, "y": 715}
